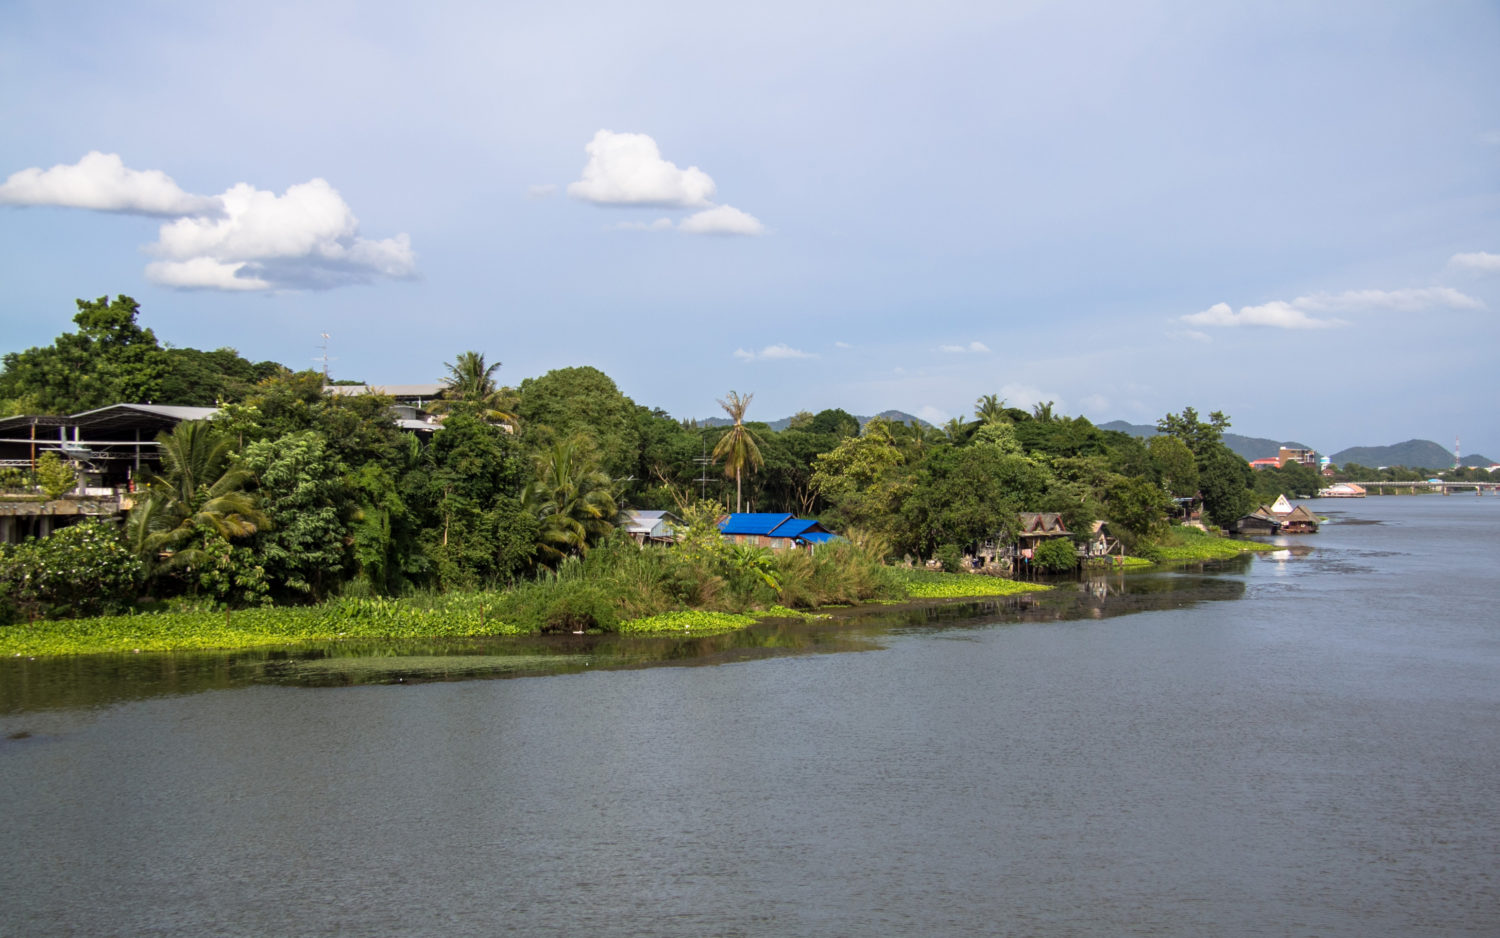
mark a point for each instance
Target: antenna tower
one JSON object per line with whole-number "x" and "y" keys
{"x": 704, "y": 461}
{"x": 324, "y": 357}
{"x": 1456, "y": 459}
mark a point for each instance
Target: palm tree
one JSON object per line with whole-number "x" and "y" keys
{"x": 198, "y": 490}
{"x": 990, "y": 408}
{"x": 955, "y": 429}
{"x": 572, "y": 498}
{"x": 471, "y": 381}
{"x": 1042, "y": 412}
{"x": 738, "y": 446}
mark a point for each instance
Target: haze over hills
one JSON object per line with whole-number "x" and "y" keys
{"x": 1424, "y": 454}
{"x": 896, "y": 416}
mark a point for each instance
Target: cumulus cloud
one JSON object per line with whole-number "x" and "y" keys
{"x": 243, "y": 239}
{"x": 1480, "y": 261}
{"x": 102, "y": 182}
{"x": 772, "y": 352}
{"x": 625, "y": 169}
{"x": 628, "y": 169}
{"x": 306, "y": 238}
{"x": 975, "y": 347}
{"x": 722, "y": 220}
{"x": 1299, "y": 313}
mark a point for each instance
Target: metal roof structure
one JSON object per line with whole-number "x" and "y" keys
{"x": 753, "y": 523}
{"x": 422, "y": 392}
{"x": 142, "y": 416}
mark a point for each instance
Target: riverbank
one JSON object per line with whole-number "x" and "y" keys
{"x": 1190, "y": 544}
{"x": 451, "y": 615}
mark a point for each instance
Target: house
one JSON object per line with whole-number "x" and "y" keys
{"x": 1289, "y": 519}
{"x": 408, "y": 411}
{"x": 1037, "y": 527}
{"x": 776, "y": 531}
{"x": 651, "y": 527}
{"x": 1343, "y": 490}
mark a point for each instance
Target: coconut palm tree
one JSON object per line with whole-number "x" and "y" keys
{"x": 199, "y": 489}
{"x": 737, "y": 448}
{"x": 1042, "y": 412}
{"x": 471, "y": 381}
{"x": 572, "y": 498}
{"x": 990, "y": 408}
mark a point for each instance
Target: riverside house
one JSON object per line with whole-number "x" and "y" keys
{"x": 776, "y": 531}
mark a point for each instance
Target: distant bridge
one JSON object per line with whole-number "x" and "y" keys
{"x": 1447, "y": 488}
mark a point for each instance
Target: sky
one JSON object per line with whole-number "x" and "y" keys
{"x": 1289, "y": 212}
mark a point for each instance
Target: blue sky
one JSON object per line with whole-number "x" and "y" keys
{"x": 1290, "y": 212}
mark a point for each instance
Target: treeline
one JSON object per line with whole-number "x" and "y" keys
{"x": 291, "y": 495}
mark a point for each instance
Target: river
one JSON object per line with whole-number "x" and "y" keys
{"x": 1307, "y": 743}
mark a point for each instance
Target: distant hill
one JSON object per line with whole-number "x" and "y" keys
{"x": 1248, "y": 447}
{"x": 898, "y": 416}
{"x": 1414, "y": 454}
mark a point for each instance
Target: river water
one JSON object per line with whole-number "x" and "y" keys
{"x": 1303, "y": 744}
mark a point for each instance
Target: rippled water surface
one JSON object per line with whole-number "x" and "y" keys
{"x": 1302, "y": 744}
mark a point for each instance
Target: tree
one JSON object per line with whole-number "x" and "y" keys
{"x": 737, "y": 448}
{"x": 471, "y": 381}
{"x": 109, "y": 359}
{"x": 585, "y": 401}
{"x": 302, "y": 491}
{"x": 54, "y": 476}
{"x": 1174, "y": 461}
{"x": 82, "y": 570}
{"x": 571, "y": 500}
{"x": 198, "y": 492}
{"x": 990, "y": 408}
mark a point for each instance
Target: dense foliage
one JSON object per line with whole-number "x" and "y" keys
{"x": 292, "y": 496}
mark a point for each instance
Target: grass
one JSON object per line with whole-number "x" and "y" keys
{"x": 1181, "y": 543}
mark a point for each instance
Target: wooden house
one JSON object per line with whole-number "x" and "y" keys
{"x": 1039, "y": 526}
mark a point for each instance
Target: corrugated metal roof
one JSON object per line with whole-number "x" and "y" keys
{"x": 752, "y": 523}
{"x": 128, "y": 415}
{"x": 820, "y": 537}
{"x": 393, "y": 390}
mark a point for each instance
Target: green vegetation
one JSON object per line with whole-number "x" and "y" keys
{"x": 931, "y": 584}
{"x": 307, "y": 514}
{"x": 1183, "y": 543}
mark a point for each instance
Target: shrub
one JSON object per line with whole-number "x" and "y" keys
{"x": 82, "y": 570}
{"x": 951, "y": 556}
{"x": 1056, "y": 555}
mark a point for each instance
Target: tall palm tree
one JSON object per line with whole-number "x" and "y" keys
{"x": 572, "y": 498}
{"x": 990, "y": 408}
{"x": 956, "y": 429}
{"x": 738, "y": 446}
{"x": 1042, "y": 412}
{"x": 198, "y": 489}
{"x": 471, "y": 380}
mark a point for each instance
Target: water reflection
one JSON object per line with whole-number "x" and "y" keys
{"x": 101, "y": 680}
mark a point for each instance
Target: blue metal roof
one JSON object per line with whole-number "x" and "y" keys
{"x": 756, "y": 523}
{"x": 820, "y": 537}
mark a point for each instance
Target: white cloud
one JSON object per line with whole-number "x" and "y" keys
{"x": 722, "y": 220}
{"x": 1398, "y": 301}
{"x": 842, "y": 345}
{"x": 305, "y": 238}
{"x": 1277, "y": 314}
{"x": 778, "y": 351}
{"x": 627, "y": 169}
{"x": 1480, "y": 261}
{"x": 976, "y": 347}
{"x": 1297, "y": 314}
{"x": 244, "y": 239}
{"x": 101, "y": 182}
